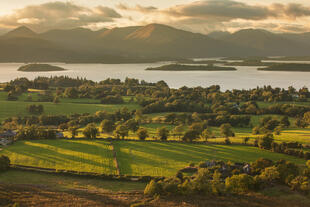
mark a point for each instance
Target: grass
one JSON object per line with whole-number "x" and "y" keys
{"x": 82, "y": 155}
{"x": 61, "y": 182}
{"x": 164, "y": 159}
{"x": 134, "y": 158}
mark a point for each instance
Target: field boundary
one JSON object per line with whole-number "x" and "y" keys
{"x": 115, "y": 159}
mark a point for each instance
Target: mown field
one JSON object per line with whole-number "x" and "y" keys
{"x": 134, "y": 158}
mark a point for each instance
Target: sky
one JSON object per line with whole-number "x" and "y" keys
{"x": 203, "y": 16}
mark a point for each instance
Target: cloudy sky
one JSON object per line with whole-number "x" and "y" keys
{"x": 199, "y": 16}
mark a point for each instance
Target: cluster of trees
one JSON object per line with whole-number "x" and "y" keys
{"x": 268, "y": 125}
{"x": 226, "y": 178}
{"x": 35, "y": 132}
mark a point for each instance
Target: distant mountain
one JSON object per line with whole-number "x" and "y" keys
{"x": 268, "y": 43}
{"x": 152, "y": 42}
{"x": 156, "y": 40}
{"x": 23, "y": 32}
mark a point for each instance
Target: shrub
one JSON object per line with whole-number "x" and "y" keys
{"x": 270, "y": 175}
{"x": 239, "y": 183}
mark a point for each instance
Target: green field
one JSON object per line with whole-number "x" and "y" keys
{"x": 134, "y": 158}
{"x": 82, "y": 155}
{"x": 66, "y": 106}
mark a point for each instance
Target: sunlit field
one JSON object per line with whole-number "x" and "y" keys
{"x": 82, "y": 156}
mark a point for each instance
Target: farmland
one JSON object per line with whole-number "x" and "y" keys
{"x": 134, "y": 157}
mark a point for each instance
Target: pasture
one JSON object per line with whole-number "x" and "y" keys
{"x": 134, "y": 157}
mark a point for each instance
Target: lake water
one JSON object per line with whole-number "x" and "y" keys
{"x": 244, "y": 78}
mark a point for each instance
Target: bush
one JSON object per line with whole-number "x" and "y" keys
{"x": 4, "y": 163}
{"x": 270, "y": 175}
{"x": 260, "y": 164}
{"x": 239, "y": 183}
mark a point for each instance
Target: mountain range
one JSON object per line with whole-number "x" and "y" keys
{"x": 152, "y": 42}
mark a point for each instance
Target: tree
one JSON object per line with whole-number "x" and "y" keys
{"x": 74, "y": 131}
{"x": 206, "y": 134}
{"x": 300, "y": 123}
{"x": 190, "y": 135}
{"x": 121, "y": 131}
{"x": 239, "y": 183}
{"x": 178, "y": 130}
{"x": 163, "y": 133}
{"x": 142, "y": 133}
{"x": 71, "y": 93}
{"x": 307, "y": 118}
{"x": 266, "y": 141}
{"x": 107, "y": 126}
{"x": 132, "y": 125}
{"x": 246, "y": 140}
{"x": 285, "y": 122}
{"x": 91, "y": 131}
{"x": 226, "y": 130}
{"x": 4, "y": 163}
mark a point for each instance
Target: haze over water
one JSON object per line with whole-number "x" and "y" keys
{"x": 244, "y": 78}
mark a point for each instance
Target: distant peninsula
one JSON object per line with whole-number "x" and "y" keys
{"x": 294, "y": 67}
{"x": 178, "y": 67}
{"x": 39, "y": 68}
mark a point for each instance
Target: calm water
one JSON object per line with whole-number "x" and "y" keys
{"x": 244, "y": 78}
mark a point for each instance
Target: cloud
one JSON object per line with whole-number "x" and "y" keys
{"x": 222, "y": 10}
{"x": 60, "y": 15}
{"x": 208, "y": 15}
{"x": 137, "y": 8}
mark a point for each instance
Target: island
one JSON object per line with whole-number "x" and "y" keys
{"x": 190, "y": 61}
{"x": 178, "y": 67}
{"x": 294, "y": 67}
{"x": 249, "y": 63}
{"x": 40, "y": 68}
